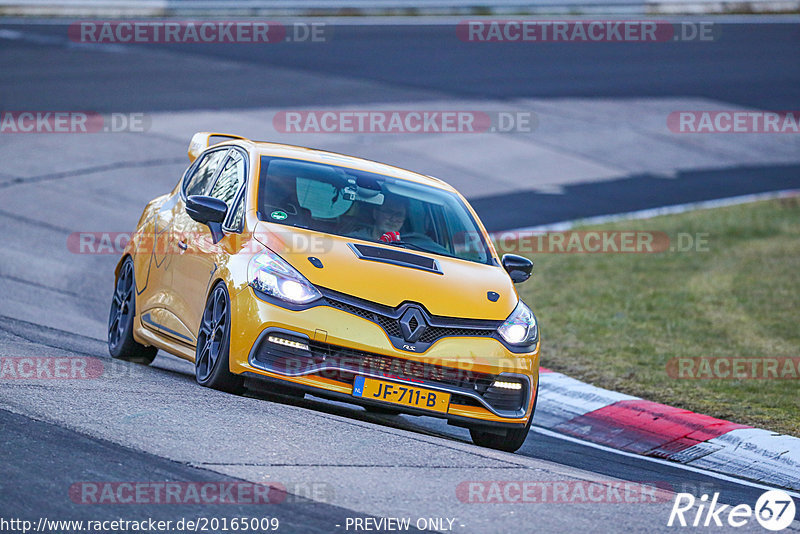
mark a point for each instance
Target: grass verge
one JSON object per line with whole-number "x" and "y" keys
{"x": 615, "y": 320}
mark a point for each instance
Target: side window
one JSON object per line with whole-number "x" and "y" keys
{"x": 467, "y": 243}
{"x": 201, "y": 179}
{"x": 230, "y": 179}
{"x": 238, "y": 215}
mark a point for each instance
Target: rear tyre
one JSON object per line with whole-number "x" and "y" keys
{"x": 510, "y": 441}
{"x": 212, "y": 367}
{"x": 121, "y": 344}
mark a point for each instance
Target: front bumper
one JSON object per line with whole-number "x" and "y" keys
{"x": 342, "y": 345}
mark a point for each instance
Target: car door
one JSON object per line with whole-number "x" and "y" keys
{"x": 154, "y": 266}
{"x": 163, "y": 310}
{"x": 199, "y": 257}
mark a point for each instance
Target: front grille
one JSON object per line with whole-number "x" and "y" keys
{"x": 389, "y": 325}
{"x": 387, "y": 318}
{"x": 434, "y": 332}
{"x": 325, "y": 356}
{"x": 343, "y": 364}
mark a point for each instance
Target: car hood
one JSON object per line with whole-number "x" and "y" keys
{"x": 459, "y": 291}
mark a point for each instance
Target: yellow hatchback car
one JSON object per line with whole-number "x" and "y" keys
{"x": 332, "y": 275}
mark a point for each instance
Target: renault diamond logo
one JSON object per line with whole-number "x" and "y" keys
{"x": 412, "y": 324}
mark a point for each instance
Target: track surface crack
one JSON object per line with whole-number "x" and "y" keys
{"x": 91, "y": 170}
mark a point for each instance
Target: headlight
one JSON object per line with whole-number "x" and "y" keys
{"x": 520, "y": 328}
{"x": 269, "y": 274}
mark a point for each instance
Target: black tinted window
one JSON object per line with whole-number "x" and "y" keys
{"x": 200, "y": 180}
{"x": 367, "y": 206}
{"x": 238, "y": 215}
{"x": 230, "y": 179}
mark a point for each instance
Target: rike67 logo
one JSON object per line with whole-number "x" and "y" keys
{"x": 774, "y": 511}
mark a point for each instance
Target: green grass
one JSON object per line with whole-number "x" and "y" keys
{"x": 614, "y": 320}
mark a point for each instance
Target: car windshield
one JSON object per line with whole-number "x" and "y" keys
{"x": 373, "y": 207}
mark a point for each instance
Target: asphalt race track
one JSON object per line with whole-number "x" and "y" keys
{"x": 335, "y": 461}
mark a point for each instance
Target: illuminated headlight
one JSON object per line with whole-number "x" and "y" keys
{"x": 287, "y": 342}
{"x": 269, "y": 274}
{"x": 520, "y": 328}
{"x": 505, "y": 384}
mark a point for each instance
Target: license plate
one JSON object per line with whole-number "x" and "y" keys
{"x": 405, "y": 395}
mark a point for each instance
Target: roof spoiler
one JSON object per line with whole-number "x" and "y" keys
{"x": 202, "y": 140}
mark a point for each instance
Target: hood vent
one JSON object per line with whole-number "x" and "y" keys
{"x": 395, "y": 257}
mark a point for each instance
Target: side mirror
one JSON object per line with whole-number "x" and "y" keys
{"x": 208, "y": 210}
{"x": 518, "y": 267}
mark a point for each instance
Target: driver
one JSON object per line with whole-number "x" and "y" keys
{"x": 388, "y": 219}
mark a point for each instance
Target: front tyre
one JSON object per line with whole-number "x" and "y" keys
{"x": 212, "y": 367}
{"x": 121, "y": 344}
{"x": 510, "y": 441}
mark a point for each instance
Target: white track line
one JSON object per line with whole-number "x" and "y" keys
{"x": 654, "y": 212}
{"x": 677, "y": 465}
